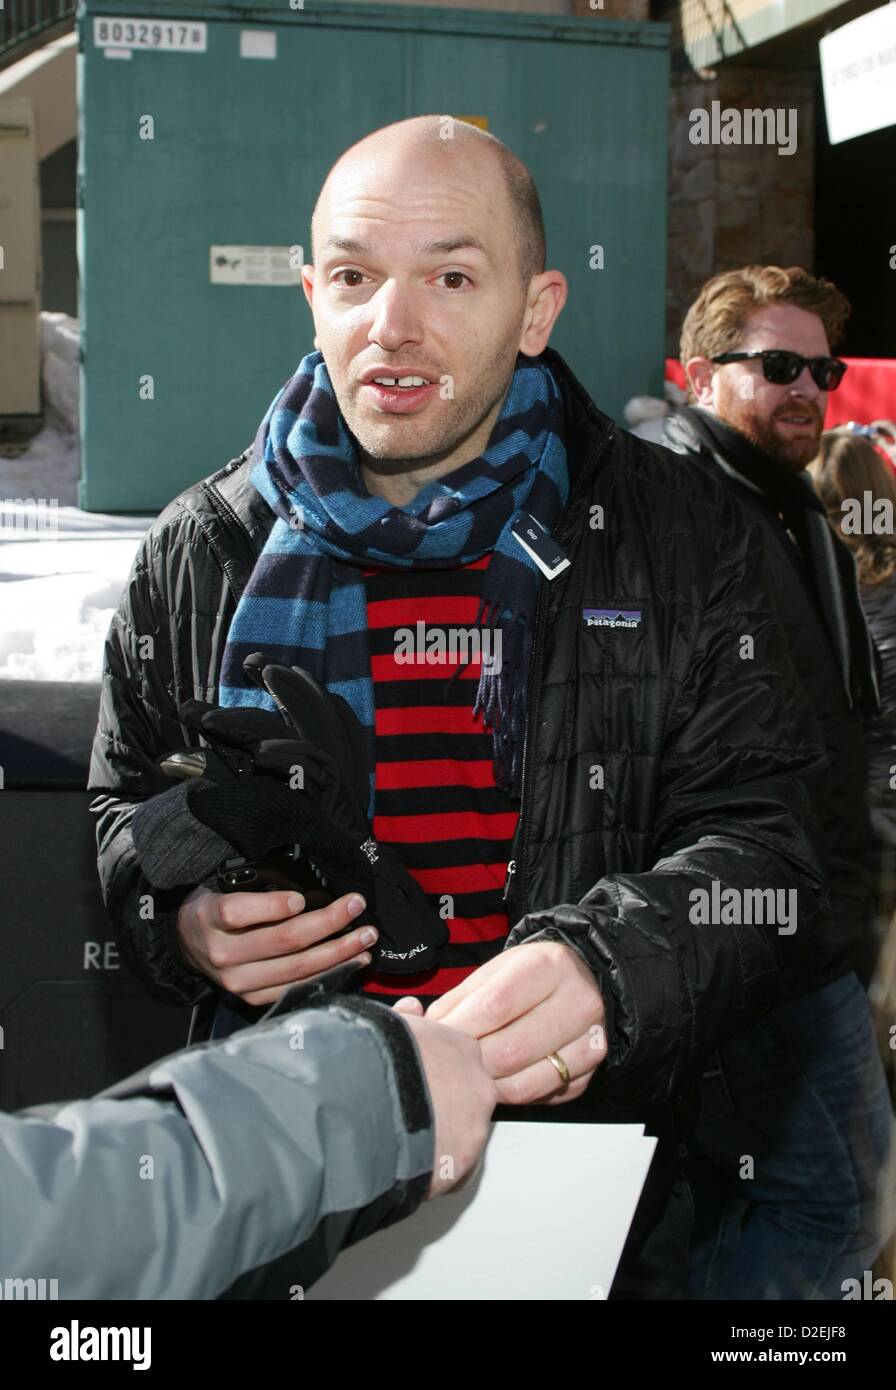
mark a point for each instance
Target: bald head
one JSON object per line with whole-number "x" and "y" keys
{"x": 426, "y": 283}
{"x": 460, "y": 149}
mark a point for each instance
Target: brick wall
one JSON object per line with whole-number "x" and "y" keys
{"x": 731, "y": 205}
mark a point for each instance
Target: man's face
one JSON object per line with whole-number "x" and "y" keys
{"x": 416, "y": 275}
{"x": 784, "y": 421}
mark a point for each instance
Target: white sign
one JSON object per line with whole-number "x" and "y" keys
{"x": 544, "y": 1217}
{"x": 175, "y": 35}
{"x": 858, "y": 71}
{"x": 254, "y": 265}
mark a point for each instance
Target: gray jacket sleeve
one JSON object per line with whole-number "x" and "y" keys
{"x": 238, "y": 1168}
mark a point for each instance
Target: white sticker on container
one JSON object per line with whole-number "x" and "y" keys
{"x": 258, "y": 43}
{"x": 255, "y": 265}
{"x": 172, "y": 36}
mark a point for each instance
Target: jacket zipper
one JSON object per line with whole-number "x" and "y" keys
{"x": 517, "y": 866}
{"x": 533, "y": 715}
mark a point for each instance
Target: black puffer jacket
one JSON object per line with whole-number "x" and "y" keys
{"x": 879, "y": 604}
{"x": 843, "y": 810}
{"x": 709, "y": 762}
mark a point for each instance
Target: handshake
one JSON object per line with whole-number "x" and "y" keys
{"x": 276, "y": 802}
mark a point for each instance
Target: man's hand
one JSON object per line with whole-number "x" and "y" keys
{"x": 256, "y": 944}
{"x": 527, "y": 1002}
{"x": 463, "y": 1097}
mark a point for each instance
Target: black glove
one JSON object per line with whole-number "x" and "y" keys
{"x": 298, "y": 777}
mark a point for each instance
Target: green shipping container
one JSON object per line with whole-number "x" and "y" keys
{"x": 188, "y": 323}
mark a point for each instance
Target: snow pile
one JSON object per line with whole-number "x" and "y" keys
{"x": 49, "y": 466}
{"x": 59, "y": 370}
{"x": 61, "y": 570}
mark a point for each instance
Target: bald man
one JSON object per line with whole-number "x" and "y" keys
{"x": 583, "y": 731}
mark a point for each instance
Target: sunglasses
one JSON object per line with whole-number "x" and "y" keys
{"x": 781, "y": 367}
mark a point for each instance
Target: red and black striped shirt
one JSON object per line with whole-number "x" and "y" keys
{"x": 436, "y": 799}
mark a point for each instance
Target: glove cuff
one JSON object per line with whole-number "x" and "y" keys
{"x": 173, "y": 847}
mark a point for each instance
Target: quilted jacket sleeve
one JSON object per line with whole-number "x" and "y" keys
{"x": 684, "y": 954}
{"x": 156, "y": 655}
{"x": 241, "y": 1167}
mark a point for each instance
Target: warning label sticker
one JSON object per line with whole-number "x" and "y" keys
{"x": 255, "y": 265}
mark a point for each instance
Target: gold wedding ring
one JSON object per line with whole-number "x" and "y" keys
{"x": 562, "y": 1068}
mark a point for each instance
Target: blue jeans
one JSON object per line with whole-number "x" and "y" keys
{"x": 785, "y": 1162}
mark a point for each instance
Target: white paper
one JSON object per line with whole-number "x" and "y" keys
{"x": 858, "y": 71}
{"x": 544, "y": 1217}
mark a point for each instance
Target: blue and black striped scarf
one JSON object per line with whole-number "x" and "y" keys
{"x": 305, "y": 605}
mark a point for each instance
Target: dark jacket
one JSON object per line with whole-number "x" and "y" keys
{"x": 843, "y": 809}
{"x": 656, "y": 761}
{"x": 879, "y": 603}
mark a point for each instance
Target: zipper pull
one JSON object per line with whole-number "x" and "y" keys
{"x": 511, "y": 870}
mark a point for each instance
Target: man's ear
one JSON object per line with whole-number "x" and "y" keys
{"x": 308, "y": 288}
{"x": 544, "y": 301}
{"x": 308, "y": 284}
{"x": 699, "y": 372}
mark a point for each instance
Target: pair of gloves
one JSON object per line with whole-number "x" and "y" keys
{"x": 281, "y": 798}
